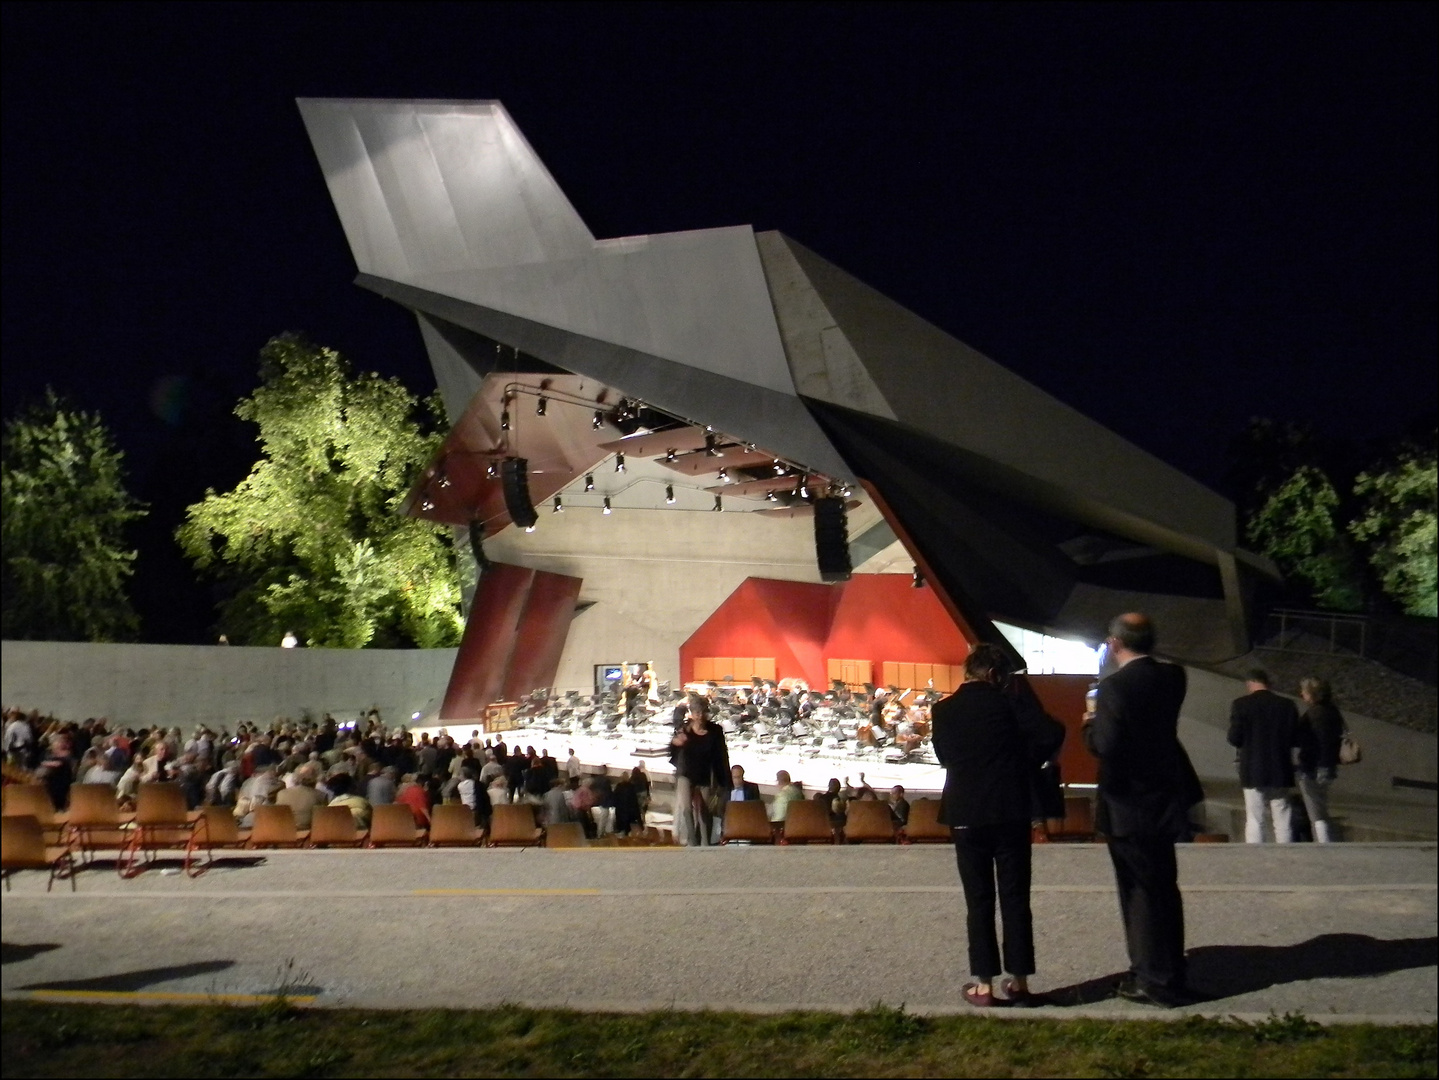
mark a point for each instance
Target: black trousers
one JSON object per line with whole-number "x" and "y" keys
{"x": 1152, "y": 908}
{"x": 986, "y": 853}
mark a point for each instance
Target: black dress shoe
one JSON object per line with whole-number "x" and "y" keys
{"x": 1165, "y": 997}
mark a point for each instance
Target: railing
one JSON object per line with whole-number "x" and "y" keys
{"x": 1404, "y": 644}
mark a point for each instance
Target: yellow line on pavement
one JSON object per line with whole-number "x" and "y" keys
{"x": 160, "y": 995}
{"x": 505, "y": 892}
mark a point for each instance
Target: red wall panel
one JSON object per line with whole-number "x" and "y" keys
{"x": 1063, "y": 698}
{"x": 541, "y": 635}
{"x": 490, "y": 633}
{"x": 872, "y": 616}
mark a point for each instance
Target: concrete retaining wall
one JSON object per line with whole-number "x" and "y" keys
{"x": 218, "y": 684}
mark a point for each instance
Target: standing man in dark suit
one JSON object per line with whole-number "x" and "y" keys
{"x": 1146, "y": 787}
{"x": 991, "y": 743}
{"x": 1264, "y": 727}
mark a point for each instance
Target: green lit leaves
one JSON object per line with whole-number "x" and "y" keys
{"x": 1398, "y": 525}
{"x": 65, "y": 509}
{"x": 313, "y": 540}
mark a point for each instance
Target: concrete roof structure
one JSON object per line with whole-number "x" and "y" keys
{"x": 1013, "y": 504}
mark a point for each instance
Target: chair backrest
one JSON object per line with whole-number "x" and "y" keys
{"x": 807, "y": 820}
{"x": 1078, "y": 814}
{"x": 924, "y": 823}
{"x": 565, "y": 834}
{"x": 393, "y": 824}
{"x": 868, "y": 820}
{"x": 220, "y": 826}
{"x": 160, "y": 804}
{"x": 333, "y": 825}
{"x": 22, "y": 841}
{"x": 451, "y": 823}
{"x": 274, "y": 824}
{"x": 512, "y": 823}
{"x": 30, "y": 800}
{"x": 747, "y": 821}
{"x": 93, "y": 805}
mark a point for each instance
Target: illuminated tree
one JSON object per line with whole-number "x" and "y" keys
{"x": 1398, "y": 525}
{"x": 313, "y": 539}
{"x": 65, "y": 508}
{"x": 1298, "y": 526}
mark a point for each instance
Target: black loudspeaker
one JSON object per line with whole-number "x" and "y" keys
{"x": 831, "y": 540}
{"x": 515, "y": 475}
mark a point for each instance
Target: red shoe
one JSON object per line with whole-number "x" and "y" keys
{"x": 978, "y": 1000}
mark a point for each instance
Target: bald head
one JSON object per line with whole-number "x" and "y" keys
{"x": 1132, "y": 633}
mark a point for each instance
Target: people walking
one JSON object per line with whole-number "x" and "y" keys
{"x": 1264, "y": 728}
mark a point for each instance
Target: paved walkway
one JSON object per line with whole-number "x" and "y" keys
{"x": 1342, "y": 932}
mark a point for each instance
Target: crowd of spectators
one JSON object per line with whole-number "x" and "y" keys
{"x": 304, "y": 764}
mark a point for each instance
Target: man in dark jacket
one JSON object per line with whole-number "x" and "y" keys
{"x": 1265, "y": 729}
{"x": 990, "y": 743}
{"x": 1146, "y": 787}
{"x": 742, "y": 790}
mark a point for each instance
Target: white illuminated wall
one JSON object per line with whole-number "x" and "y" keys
{"x": 1045, "y": 655}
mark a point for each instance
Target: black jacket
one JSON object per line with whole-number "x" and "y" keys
{"x": 751, "y": 791}
{"x": 1146, "y": 781}
{"x": 1265, "y": 728}
{"x": 1321, "y": 729}
{"x": 704, "y": 759}
{"x": 989, "y": 750}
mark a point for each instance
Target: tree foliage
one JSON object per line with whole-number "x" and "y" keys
{"x": 1398, "y": 524}
{"x": 1298, "y": 526}
{"x": 65, "y": 509}
{"x": 313, "y": 539}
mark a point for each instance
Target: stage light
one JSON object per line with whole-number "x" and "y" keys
{"x": 778, "y": 467}
{"x": 607, "y": 505}
{"x": 427, "y": 503}
{"x": 597, "y": 420}
{"x": 559, "y": 507}
{"x": 504, "y": 419}
{"x": 918, "y": 580}
{"x": 719, "y": 504}
{"x": 529, "y": 528}
{"x": 670, "y": 494}
{"x": 493, "y": 470}
{"x": 670, "y": 456}
{"x": 724, "y": 476}
{"x": 444, "y": 474}
{"x": 542, "y": 405}
{"x": 770, "y": 496}
{"x": 589, "y": 482}
{"x": 711, "y": 447}
{"x": 801, "y": 490}
{"x": 619, "y": 463}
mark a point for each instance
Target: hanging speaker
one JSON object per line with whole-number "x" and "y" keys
{"x": 831, "y": 540}
{"x": 515, "y": 476}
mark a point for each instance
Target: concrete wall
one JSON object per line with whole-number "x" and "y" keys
{"x": 185, "y": 684}
{"x": 655, "y": 577}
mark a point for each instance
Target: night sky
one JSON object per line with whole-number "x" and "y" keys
{"x": 1171, "y": 217}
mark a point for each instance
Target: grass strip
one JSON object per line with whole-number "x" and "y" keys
{"x": 277, "y": 1039}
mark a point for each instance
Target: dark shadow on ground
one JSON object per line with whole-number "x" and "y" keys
{"x": 136, "y": 980}
{"x": 13, "y": 954}
{"x": 296, "y": 990}
{"x": 1224, "y": 971}
{"x": 1229, "y": 970}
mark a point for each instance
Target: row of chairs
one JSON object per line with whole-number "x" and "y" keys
{"x": 808, "y": 822}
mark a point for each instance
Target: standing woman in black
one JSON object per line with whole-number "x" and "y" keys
{"x": 992, "y": 743}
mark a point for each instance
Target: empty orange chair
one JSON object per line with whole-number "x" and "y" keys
{"x": 806, "y": 821}
{"x": 513, "y": 824}
{"x": 394, "y": 824}
{"x": 868, "y": 822}
{"x": 747, "y": 821}
{"x": 453, "y": 824}
{"x": 33, "y": 800}
{"x": 923, "y": 826}
{"x": 22, "y": 847}
{"x": 565, "y": 834}
{"x": 1078, "y": 824}
{"x": 274, "y": 826}
{"x": 215, "y": 827}
{"x": 335, "y": 825}
{"x": 95, "y": 820}
{"x": 162, "y": 820}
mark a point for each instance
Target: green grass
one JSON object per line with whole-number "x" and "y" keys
{"x": 275, "y": 1039}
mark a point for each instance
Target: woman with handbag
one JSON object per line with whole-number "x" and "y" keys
{"x": 1321, "y": 731}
